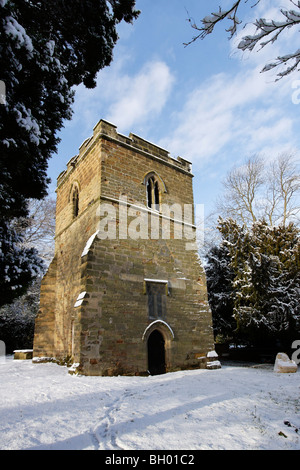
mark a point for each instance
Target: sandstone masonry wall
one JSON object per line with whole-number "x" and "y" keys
{"x": 94, "y": 302}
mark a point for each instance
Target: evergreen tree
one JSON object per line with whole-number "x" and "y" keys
{"x": 263, "y": 288}
{"x": 17, "y": 318}
{"x": 276, "y": 277}
{"x": 236, "y": 239}
{"x": 19, "y": 265}
{"x": 219, "y": 275}
{"x": 46, "y": 48}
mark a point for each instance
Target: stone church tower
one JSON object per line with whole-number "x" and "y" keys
{"x": 125, "y": 292}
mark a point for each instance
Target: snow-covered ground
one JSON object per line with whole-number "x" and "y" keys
{"x": 236, "y": 407}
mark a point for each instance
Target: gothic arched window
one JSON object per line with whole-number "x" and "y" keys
{"x": 153, "y": 198}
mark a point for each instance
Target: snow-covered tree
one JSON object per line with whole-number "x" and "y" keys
{"x": 267, "y": 30}
{"x": 257, "y": 259}
{"x": 276, "y": 278}
{"x": 27, "y": 245}
{"x": 261, "y": 282}
{"x": 39, "y": 227}
{"x": 19, "y": 265}
{"x": 17, "y": 318}
{"x": 219, "y": 276}
{"x": 17, "y": 321}
{"x": 46, "y": 48}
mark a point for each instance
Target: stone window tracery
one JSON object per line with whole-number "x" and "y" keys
{"x": 153, "y": 193}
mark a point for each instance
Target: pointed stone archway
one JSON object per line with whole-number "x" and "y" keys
{"x": 156, "y": 353}
{"x": 158, "y": 337}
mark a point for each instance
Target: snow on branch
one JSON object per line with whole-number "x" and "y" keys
{"x": 210, "y": 21}
{"x": 283, "y": 60}
{"x": 14, "y": 29}
{"x": 267, "y": 32}
{"x": 269, "y": 27}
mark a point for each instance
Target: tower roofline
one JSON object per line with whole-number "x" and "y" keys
{"x": 106, "y": 130}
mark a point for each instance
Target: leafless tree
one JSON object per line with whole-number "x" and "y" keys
{"x": 242, "y": 189}
{"x": 283, "y": 191}
{"x": 259, "y": 190}
{"x": 38, "y": 229}
{"x": 41, "y": 228}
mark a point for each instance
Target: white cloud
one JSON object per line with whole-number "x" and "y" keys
{"x": 127, "y": 100}
{"x": 229, "y": 116}
{"x": 142, "y": 97}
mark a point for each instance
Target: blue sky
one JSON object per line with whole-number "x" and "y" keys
{"x": 205, "y": 102}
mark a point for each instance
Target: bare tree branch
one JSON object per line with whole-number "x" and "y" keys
{"x": 242, "y": 186}
{"x": 209, "y": 22}
{"x": 39, "y": 227}
{"x": 267, "y": 32}
{"x": 260, "y": 191}
{"x": 288, "y": 186}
